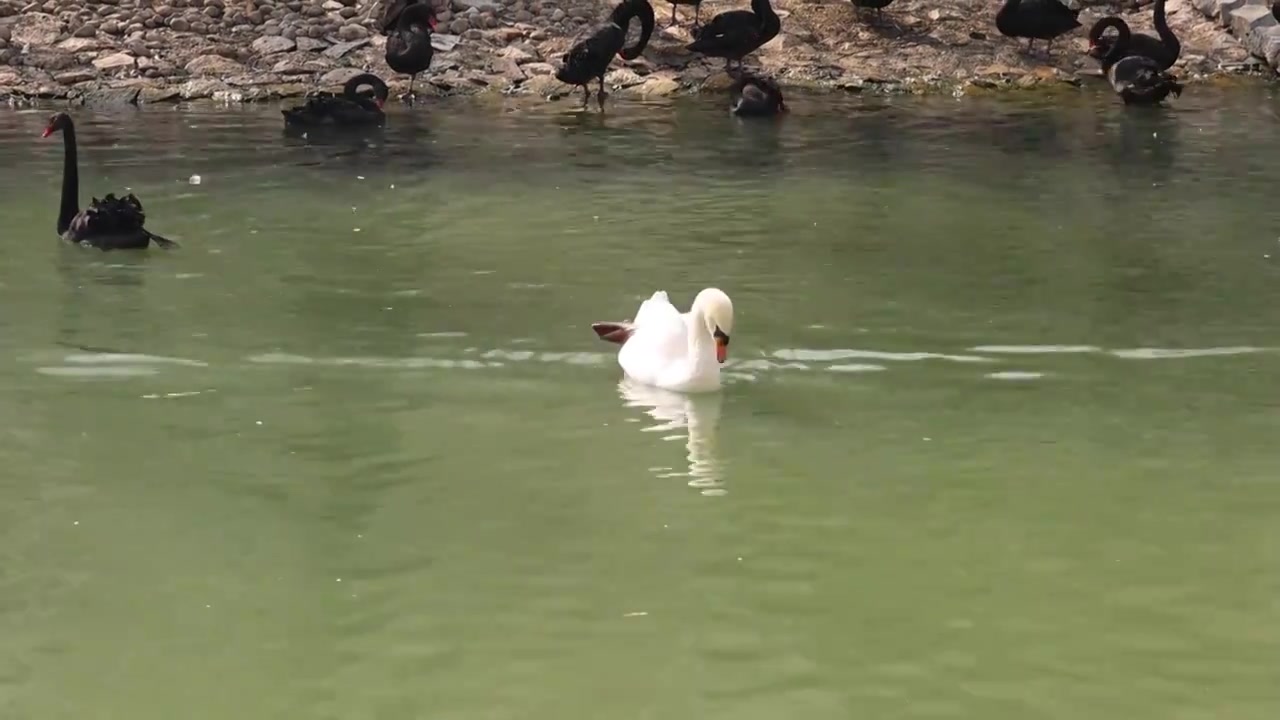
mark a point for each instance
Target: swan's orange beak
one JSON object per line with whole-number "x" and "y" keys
{"x": 722, "y": 346}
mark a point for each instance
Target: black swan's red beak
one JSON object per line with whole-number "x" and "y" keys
{"x": 47, "y": 132}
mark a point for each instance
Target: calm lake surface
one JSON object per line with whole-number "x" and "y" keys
{"x": 999, "y": 438}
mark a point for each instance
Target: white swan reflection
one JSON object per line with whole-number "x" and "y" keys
{"x": 691, "y": 417}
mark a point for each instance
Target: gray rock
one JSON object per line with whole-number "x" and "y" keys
{"x": 214, "y": 65}
{"x": 78, "y": 45}
{"x": 445, "y": 42}
{"x": 341, "y": 49}
{"x": 111, "y": 27}
{"x": 114, "y": 61}
{"x": 347, "y": 33}
{"x": 36, "y": 30}
{"x": 109, "y": 97}
{"x": 71, "y": 77}
{"x": 86, "y": 30}
{"x": 179, "y": 25}
{"x": 307, "y": 44}
{"x": 160, "y": 94}
{"x": 201, "y": 88}
{"x": 268, "y": 45}
{"x": 459, "y": 26}
{"x": 49, "y": 59}
{"x": 339, "y": 76}
{"x": 461, "y": 5}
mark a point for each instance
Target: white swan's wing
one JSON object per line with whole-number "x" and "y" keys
{"x": 660, "y": 339}
{"x": 656, "y": 309}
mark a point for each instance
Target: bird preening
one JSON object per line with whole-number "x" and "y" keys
{"x": 589, "y": 59}
{"x": 353, "y": 108}
{"x": 408, "y": 25}
{"x": 111, "y": 223}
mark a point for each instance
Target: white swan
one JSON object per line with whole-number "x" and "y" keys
{"x": 673, "y": 351}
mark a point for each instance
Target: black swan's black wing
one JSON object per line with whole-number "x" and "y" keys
{"x": 114, "y": 223}
{"x": 391, "y": 15}
{"x": 324, "y": 108}
{"x": 727, "y": 32}
{"x": 590, "y": 58}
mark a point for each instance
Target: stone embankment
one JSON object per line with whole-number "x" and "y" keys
{"x": 245, "y": 50}
{"x": 1256, "y": 23}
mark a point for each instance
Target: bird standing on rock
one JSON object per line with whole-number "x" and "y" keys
{"x": 877, "y": 5}
{"x": 735, "y": 34}
{"x": 697, "y": 12}
{"x": 1036, "y": 20}
{"x": 589, "y": 60}
{"x": 408, "y": 25}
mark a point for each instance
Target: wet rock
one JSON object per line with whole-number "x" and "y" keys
{"x": 71, "y": 77}
{"x": 111, "y": 97}
{"x": 268, "y": 45}
{"x": 547, "y": 86}
{"x": 158, "y": 94}
{"x": 659, "y": 87}
{"x": 213, "y": 65}
{"x": 622, "y": 79}
{"x": 36, "y": 29}
{"x": 114, "y": 61}
{"x": 200, "y": 88}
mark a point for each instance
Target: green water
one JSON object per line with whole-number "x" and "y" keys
{"x": 998, "y": 438}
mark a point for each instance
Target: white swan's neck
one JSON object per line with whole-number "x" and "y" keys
{"x": 700, "y": 341}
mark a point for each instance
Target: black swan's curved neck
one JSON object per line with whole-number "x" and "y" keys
{"x": 643, "y": 10}
{"x": 1008, "y": 9}
{"x": 1119, "y": 48}
{"x": 1100, "y": 27}
{"x": 380, "y": 89}
{"x": 1164, "y": 31}
{"x": 419, "y": 16}
{"x": 70, "y": 179}
{"x": 763, "y": 9}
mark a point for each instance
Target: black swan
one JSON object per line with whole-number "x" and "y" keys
{"x": 350, "y": 109}
{"x": 1164, "y": 49}
{"x": 754, "y": 96}
{"x": 589, "y": 60}
{"x": 697, "y": 11}
{"x": 1137, "y": 79}
{"x": 877, "y": 5}
{"x": 409, "y": 43}
{"x": 735, "y": 34}
{"x": 1036, "y": 20}
{"x": 111, "y": 223}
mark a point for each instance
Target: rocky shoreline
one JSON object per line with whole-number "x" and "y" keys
{"x": 128, "y": 51}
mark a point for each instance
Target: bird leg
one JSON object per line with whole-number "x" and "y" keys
{"x": 409, "y": 97}
{"x": 1029, "y": 41}
{"x": 1048, "y": 49}
{"x": 600, "y": 96}
{"x": 586, "y": 96}
{"x": 673, "y": 16}
{"x": 697, "y": 16}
